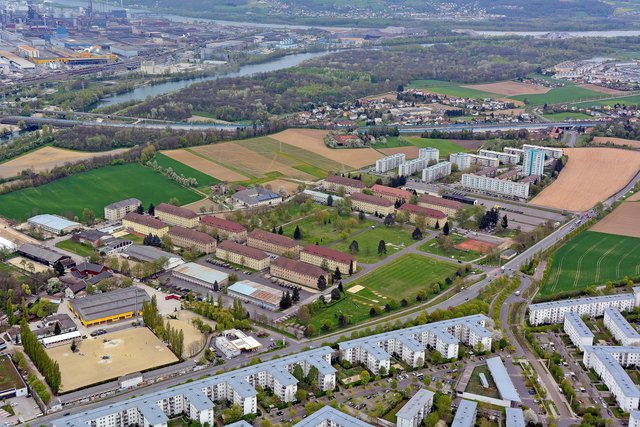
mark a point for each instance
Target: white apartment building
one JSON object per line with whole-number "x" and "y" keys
{"x": 506, "y": 158}
{"x": 578, "y": 331}
{"x": 410, "y": 344}
{"x": 197, "y": 398}
{"x": 533, "y": 162}
{"x": 437, "y": 171}
{"x": 550, "y": 152}
{"x": 463, "y": 160}
{"x": 496, "y": 186}
{"x": 511, "y": 150}
{"x": 415, "y": 410}
{"x": 634, "y": 419}
{"x": 465, "y": 414}
{"x": 609, "y": 363}
{"x": 412, "y": 166}
{"x": 620, "y": 328}
{"x": 514, "y": 417}
{"x": 388, "y": 163}
{"x": 118, "y": 210}
{"x": 429, "y": 153}
{"x": 554, "y": 311}
{"x": 484, "y": 161}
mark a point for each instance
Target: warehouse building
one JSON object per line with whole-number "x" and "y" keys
{"x": 415, "y": 410}
{"x": 151, "y": 254}
{"x": 253, "y": 197}
{"x": 53, "y": 224}
{"x": 175, "y": 215}
{"x": 227, "y": 230}
{"x": 506, "y": 388}
{"x": 192, "y": 239}
{"x": 320, "y": 197}
{"x": 200, "y": 275}
{"x": 257, "y": 294}
{"x": 578, "y": 331}
{"x": 44, "y": 255}
{"x": 144, "y": 224}
{"x": 319, "y": 255}
{"x": 109, "y": 306}
{"x": 273, "y": 243}
{"x": 371, "y": 204}
{"x": 245, "y": 256}
{"x": 297, "y": 272}
{"x": 118, "y": 210}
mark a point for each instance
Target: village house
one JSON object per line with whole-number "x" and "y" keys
{"x": 175, "y": 215}
{"x": 245, "y": 256}
{"x": 192, "y": 239}
{"x": 273, "y": 243}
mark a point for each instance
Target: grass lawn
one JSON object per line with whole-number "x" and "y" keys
{"x": 451, "y": 89}
{"x": 94, "y": 189}
{"x": 187, "y": 171}
{"x": 475, "y": 384}
{"x": 566, "y": 115}
{"x": 627, "y": 100}
{"x": 395, "y": 237}
{"x": 445, "y": 146}
{"x": 592, "y": 258}
{"x": 558, "y": 95}
{"x": 137, "y": 240}
{"x": 433, "y": 247}
{"x": 400, "y": 279}
{"x": 75, "y": 247}
{"x": 314, "y": 231}
{"x": 391, "y": 415}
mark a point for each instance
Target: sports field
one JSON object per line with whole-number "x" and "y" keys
{"x": 94, "y": 189}
{"x": 592, "y": 258}
{"x": 110, "y": 356}
{"x": 401, "y": 278}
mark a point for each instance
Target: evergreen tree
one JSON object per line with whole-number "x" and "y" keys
{"x": 280, "y": 231}
{"x": 337, "y": 275}
{"x": 417, "y": 234}
{"x": 140, "y": 209}
{"x": 382, "y": 248}
{"x": 340, "y": 287}
{"x": 389, "y": 220}
{"x": 152, "y": 209}
{"x": 297, "y": 234}
{"x": 437, "y": 227}
{"x": 330, "y": 200}
{"x": 445, "y": 229}
{"x": 351, "y": 268}
{"x": 216, "y": 287}
{"x": 273, "y": 230}
{"x": 322, "y": 283}
{"x": 56, "y": 329}
{"x": 59, "y": 268}
{"x": 354, "y": 247}
{"x": 335, "y": 294}
{"x": 295, "y": 297}
{"x": 505, "y": 222}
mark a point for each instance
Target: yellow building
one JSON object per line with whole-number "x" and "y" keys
{"x": 273, "y": 243}
{"x": 227, "y": 230}
{"x": 371, "y": 204}
{"x": 245, "y": 256}
{"x": 317, "y": 255}
{"x": 175, "y": 215}
{"x": 109, "y": 306}
{"x": 144, "y": 224}
{"x": 192, "y": 239}
{"x": 432, "y": 217}
{"x": 446, "y": 206}
{"x": 299, "y": 272}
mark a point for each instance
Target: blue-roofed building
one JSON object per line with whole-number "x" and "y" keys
{"x": 465, "y": 414}
{"x": 330, "y": 417}
{"x": 200, "y": 275}
{"x": 414, "y": 411}
{"x": 514, "y": 417}
{"x": 53, "y": 224}
{"x": 256, "y": 293}
{"x": 609, "y": 362}
{"x": 634, "y": 419}
{"x": 578, "y": 331}
{"x": 253, "y": 197}
{"x": 620, "y": 328}
{"x": 503, "y": 381}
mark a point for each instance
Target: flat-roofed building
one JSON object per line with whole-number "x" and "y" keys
{"x": 319, "y": 255}
{"x": 465, "y": 414}
{"x": 273, "y": 243}
{"x": 554, "y": 311}
{"x": 506, "y": 158}
{"x": 350, "y": 185}
{"x": 144, "y": 224}
{"x": 620, "y": 328}
{"x": 496, "y": 186}
{"x": 412, "y": 166}
{"x": 550, "y": 152}
{"x": 152, "y": 254}
{"x": 322, "y": 198}
{"x": 246, "y": 256}
{"x": 109, "y": 306}
{"x": 533, "y": 162}
{"x": 175, "y": 215}
{"x": 330, "y": 417}
{"x": 201, "y": 275}
{"x": 227, "y": 230}
{"x": 429, "y": 153}
{"x": 53, "y": 224}
{"x": 514, "y": 417}
{"x": 256, "y": 293}
{"x": 446, "y": 206}
{"x": 462, "y": 160}
{"x": 506, "y": 388}
{"x": 118, "y": 210}
{"x": 297, "y": 272}
{"x": 416, "y": 409}
{"x": 578, "y": 331}
{"x": 391, "y": 193}
{"x": 389, "y": 163}
{"x": 609, "y": 362}
{"x": 192, "y": 239}
{"x": 12, "y": 383}
{"x": 634, "y": 419}
{"x": 371, "y": 204}
{"x": 432, "y": 217}
{"x": 512, "y": 150}
{"x": 437, "y": 171}
{"x": 253, "y": 197}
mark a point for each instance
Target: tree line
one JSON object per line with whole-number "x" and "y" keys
{"x": 153, "y": 319}
{"x": 48, "y": 367}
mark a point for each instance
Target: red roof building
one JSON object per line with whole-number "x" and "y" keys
{"x": 391, "y": 193}
{"x": 317, "y": 255}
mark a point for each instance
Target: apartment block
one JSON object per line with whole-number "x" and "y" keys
{"x": 533, "y": 162}
{"x": 550, "y": 152}
{"x": 429, "y": 153}
{"x": 144, "y": 224}
{"x": 504, "y": 158}
{"x": 437, "y": 171}
{"x": 609, "y": 363}
{"x": 416, "y": 409}
{"x": 238, "y": 254}
{"x": 412, "y": 166}
{"x": 118, "y": 210}
{"x": 466, "y": 160}
{"x": 192, "y": 239}
{"x": 578, "y": 331}
{"x": 371, "y": 204}
{"x": 389, "y": 163}
{"x": 496, "y": 186}
{"x": 175, "y": 215}
{"x": 465, "y": 414}
{"x": 273, "y": 243}
{"x": 319, "y": 255}
{"x": 227, "y": 230}
{"x": 620, "y": 328}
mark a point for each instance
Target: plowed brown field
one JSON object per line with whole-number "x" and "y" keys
{"x": 624, "y": 220}
{"x": 205, "y": 166}
{"x": 616, "y": 141}
{"x": 510, "y": 88}
{"x": 591, "y": 176}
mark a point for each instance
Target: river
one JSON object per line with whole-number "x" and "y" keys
{"x": 143, "y": 92}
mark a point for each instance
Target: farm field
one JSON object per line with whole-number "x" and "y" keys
{"x": 626, "y": 100}
{"x": 47, "y": 158}
{"x": 587, "y": 178}
{"x": 509, "y": 88}
{"x": 433, "y": 246}
{"x": 451, "y": 89}
{"x": 315, "y": 230}
{"x": 94, "y": 189}
{"x": 75, "y": 247}
{"x": 204, "y": 165}
{"x": 110, "y": 356}
{"x": 602, "y": 89}
{"x": 181, "y": 169}
{"x": 592, "y": 258}
{"x": 313, "y": 140}
{"x": 566, "y": 115}
{"x": 623, "y": 221}
{"x": 616, "y": 141}
{"x": 395, "y": 237}
{"x": 558, "y": 95}
{"x": 400, "y": 279}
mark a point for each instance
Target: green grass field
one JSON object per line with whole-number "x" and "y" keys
{"x": 445, "y": 146}
{"x": 395, "y": 237}
{"x": 566, "y": 115}
{"x": 315, "y": 231}
{"x": 451, "y": 89}
{"x": 626, "y": 100}
{"x": 433, "y": 247}
{"x": 558, "y": 95}
{"x": 592, "y": 258}
{"x": 94, "y": 190}
{"x": 75, "y": 247}
{"x": 182, "y": 169}
{"x": 401, "y": 278}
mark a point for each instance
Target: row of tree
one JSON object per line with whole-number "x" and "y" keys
{"x": 48, "y": 367}
{"x": 153, "y": 319}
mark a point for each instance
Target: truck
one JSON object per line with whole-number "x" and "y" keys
{"x": 172, "y": 296}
